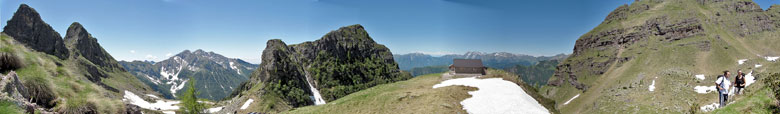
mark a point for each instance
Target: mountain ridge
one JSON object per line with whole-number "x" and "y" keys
{"x": 168, "y": 76}
{"x": 499, "y": 60}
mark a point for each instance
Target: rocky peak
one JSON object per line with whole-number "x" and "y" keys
{"x": 199, "y": 51}
{"x": 296, "y": 68}
{"x": 348, "y": 34}
{"x": 75, "y": 31}
{"x": 27, "y": 27}
{"x": 88, "y": 47}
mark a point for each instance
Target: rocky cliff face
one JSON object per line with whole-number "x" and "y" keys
{"x": 341, "y": 62}
{"x": 59, "y": 84}
{"x": 27, "y": 27}
{"x": 87, "y": 46}
{"x": 667, "y": 39}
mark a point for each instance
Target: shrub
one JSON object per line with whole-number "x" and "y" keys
{"x": 9, "y": 61}
{"x": 78, "y": 106}
{"x": 773, "y": 83}
{"x": 40, "y": 91}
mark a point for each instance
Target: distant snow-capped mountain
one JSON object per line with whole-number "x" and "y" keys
{"x": 215, "y": 75}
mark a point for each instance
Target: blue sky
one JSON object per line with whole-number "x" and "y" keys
{"x": 156, "y": 29}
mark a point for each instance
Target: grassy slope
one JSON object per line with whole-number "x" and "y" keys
{"x": 68, "y": 83}
{"x": 415, "y": 95}
{"x": 624, "y": 87}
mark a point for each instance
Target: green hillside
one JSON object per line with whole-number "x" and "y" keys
{"x": 415, "y": 95}
{"x": 665, "y": 42}
{"x": 536, "y": 74}
{"x": 65, "y": 83}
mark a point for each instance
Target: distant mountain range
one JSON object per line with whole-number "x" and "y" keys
{"x": 216, "y": 75}
{"x": 499, "y": 60}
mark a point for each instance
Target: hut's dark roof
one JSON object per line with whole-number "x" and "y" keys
{"x": 467, "y": 63}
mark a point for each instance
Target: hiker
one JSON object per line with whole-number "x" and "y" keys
{"x": 739, "y": 82}
{"x": 723, "y": 83}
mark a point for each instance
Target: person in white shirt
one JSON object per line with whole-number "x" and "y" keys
{"x": 723, "y": 84}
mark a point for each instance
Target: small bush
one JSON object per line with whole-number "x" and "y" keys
{"x": 773, "y": 83}
{"x": 78, "y": 106}
{"x": 9, "y": 61}
{"x": 40, "y": 91}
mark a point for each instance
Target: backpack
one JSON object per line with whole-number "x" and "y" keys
{"x": 721, "y": 82}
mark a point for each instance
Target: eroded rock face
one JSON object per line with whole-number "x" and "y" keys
{"x": 15, "y": 91}
{"x": 27, "y": 27}
{"x": 88, "y": 47}
{"x": 599, "y": 49}
{"x": 288, "y": 69}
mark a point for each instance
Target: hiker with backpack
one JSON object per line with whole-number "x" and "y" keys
{"x": 739, "y": 82}
{"x": 723, "y": 84}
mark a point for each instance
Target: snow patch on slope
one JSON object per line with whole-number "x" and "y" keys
{"x": 158, "y": 105}
{"x": 704, "y": 89}
{"x": 652, "y": 86}
{"x": 700, "y": 76}
{"x": 215, "y": 109}
{"x": 572, "y": 98}
{"x": 771, "y": 58}
{"x": 513, "y": 98}
{"x": 246, "y": 104}
{"x": 749, "y": 79}
{"x": 710, "y": 107}
{"x": 177, "y": 86}
{"x": 741, "y": 61}
{"x": 155, "y": 81}
{"x": 234, "y": 67}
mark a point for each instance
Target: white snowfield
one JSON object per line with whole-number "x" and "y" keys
{"x": 758, "y": 65}
{"x": 700, "y": 76}
{"x": 246, "y": 104}
{"x": 165, "y": 106}
{"x": 496, "y": 96}
{"x": 572, "y": 98}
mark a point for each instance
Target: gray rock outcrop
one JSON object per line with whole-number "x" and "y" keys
{"x": 27, "y": 27}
